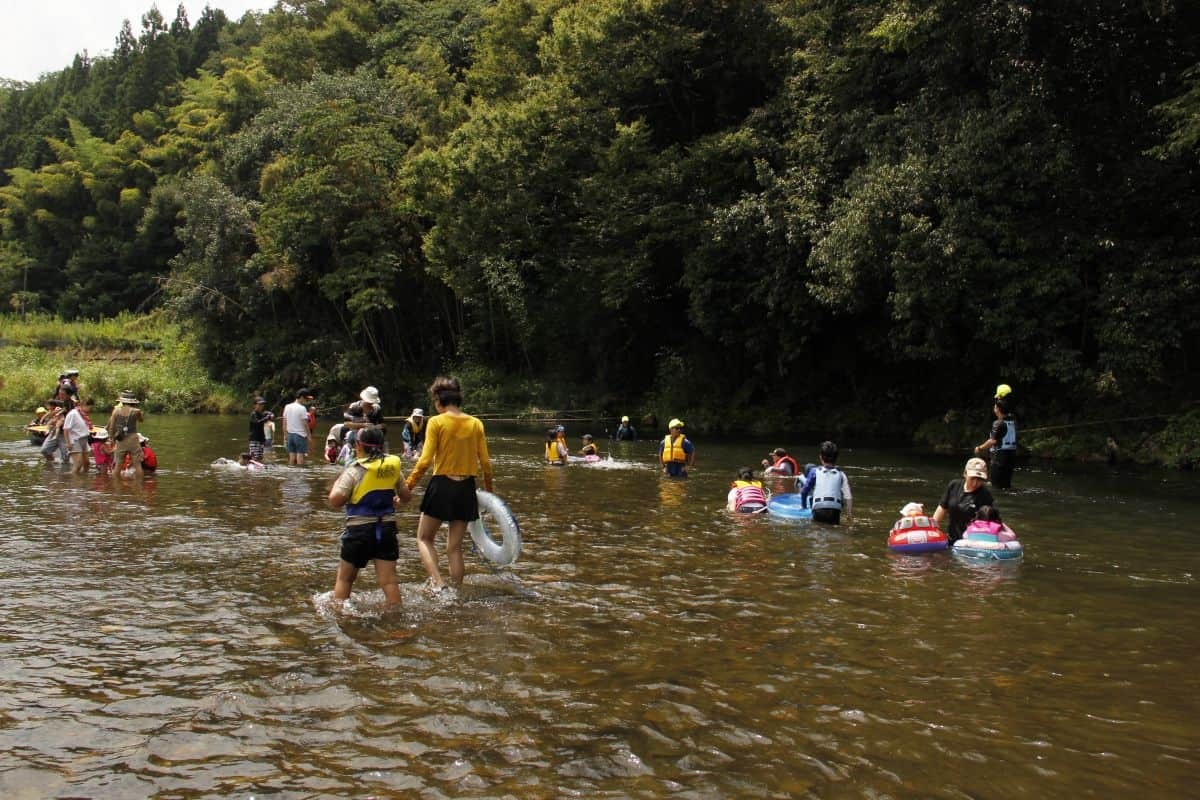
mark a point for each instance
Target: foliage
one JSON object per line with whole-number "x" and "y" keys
{"x": 837, "y": 216}
{"x": 145, "y": 353}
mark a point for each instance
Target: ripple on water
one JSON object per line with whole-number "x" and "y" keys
{"x": 182, "y": 641}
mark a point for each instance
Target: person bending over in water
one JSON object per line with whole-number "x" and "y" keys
{"x": 369, "y": 489}
{"x": 746, "y": 495}
{"x": 456, "y": 448}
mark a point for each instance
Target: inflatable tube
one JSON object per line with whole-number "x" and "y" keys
{"x": 499, "y": 515}
{"x": 916, "y": 534}
{"x": 788, "y": 506}
{"x": 988, "y": 550}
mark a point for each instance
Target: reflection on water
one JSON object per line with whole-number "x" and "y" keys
{"x": 175, "y": 637}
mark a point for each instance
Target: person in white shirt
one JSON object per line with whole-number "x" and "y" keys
{"x": 295, "y": 428}
{"x": 77, "y": 428}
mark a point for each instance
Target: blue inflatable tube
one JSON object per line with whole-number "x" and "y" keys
{"x": 985, "y": 551}
{"x": 788, "y": 506}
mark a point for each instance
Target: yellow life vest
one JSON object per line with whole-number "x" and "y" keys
{"x": 671, "y": 452}
{"x": 744, "y": 484}
{"x": 552, "y": 454}
{"x": 372, "y": 496}
{"x": 590, "y": 449}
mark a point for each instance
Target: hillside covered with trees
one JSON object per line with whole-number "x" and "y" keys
{"x": 829, "y": 215}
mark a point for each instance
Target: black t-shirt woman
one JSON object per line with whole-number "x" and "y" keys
{"x": 962, "y": 498}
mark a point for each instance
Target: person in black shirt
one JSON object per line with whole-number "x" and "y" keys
{"x": 963, "y": 498}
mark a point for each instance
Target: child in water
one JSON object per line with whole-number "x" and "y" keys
{"x": 747, "y": 495}
{"x": 987, "y": 524}
{"x": 556, "y": 450}
{"x": 102, "y": 451}
{"x": 589, "y": 446}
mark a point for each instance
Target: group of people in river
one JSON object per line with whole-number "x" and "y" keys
{"x": 64, "y": 431}
{"x": 826, "y": 491}
{"x": 452, "y": 446}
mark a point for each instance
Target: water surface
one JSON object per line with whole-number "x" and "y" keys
{"x": 173, "y": 638}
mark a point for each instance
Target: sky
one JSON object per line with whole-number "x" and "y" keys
{"x": 38, "y": 36}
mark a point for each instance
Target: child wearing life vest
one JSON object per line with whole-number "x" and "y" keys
{"x": 829, "y": 488}
{"x": 589, "y": 446}
{"x": 988, "y": 525}
{"x": 747, "y": 495}
{"x": 369, "y": 490}
{"x": 556, "y": 448}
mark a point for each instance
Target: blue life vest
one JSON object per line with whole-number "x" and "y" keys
{"x": 827, "y": 490}
{"x": 1009, "y": 442}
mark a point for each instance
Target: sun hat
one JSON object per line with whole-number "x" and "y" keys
{"x": 976, "y": 468}
{"x": 258, "y": 400}
{"x": 143, "y": 438}
{"x": 127, "y": 398}
{"x": 101, "y": 433}
{"x": 418, "y": 412}
{"x": 675, "y": 423}
{"x": 369, "y": 395}
{"x": 40, "y": 410}
{"x": 71, "y": 372}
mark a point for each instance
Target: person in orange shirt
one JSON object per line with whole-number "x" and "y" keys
{"x": 456, "y": 448}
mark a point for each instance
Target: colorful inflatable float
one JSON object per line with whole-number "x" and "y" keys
{"x": 788, "y": 506}
{"x": 989, "y": 541}
{"x": 916, "y": 532}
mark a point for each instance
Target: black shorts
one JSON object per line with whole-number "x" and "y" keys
{"x": 450, "y": 500}
{"x": 361, "y": 543}
{"x": 830, "y": 516}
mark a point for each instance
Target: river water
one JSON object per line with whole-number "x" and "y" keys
{"x": 174, "y": 638}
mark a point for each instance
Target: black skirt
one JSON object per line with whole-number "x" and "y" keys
{"x": 450, "y": 500}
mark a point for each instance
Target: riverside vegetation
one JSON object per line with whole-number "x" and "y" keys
{"x": 838, "y": 218}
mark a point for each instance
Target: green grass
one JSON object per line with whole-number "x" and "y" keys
{"x": 144, "y": 353}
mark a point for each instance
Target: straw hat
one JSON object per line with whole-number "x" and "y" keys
{"x": 127, "y": 398}
{"x": 369, "y": 395}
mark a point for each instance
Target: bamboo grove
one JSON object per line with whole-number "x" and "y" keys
{"x": 790, "y": 210}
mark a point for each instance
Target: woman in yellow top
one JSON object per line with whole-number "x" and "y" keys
{"x": 456, "y": 447}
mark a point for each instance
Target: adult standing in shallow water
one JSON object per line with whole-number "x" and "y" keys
{"x": 295, "y": 428}
{"x": 123, "y": 428}
{"x": 456, "y": 448}
{"x": 963, "y": 498}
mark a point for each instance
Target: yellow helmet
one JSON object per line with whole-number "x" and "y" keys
{"x": 675, "y": 423}
{"x": 1003, "y": 390}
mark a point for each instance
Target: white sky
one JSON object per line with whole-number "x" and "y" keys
{"x": 38, "y": 36}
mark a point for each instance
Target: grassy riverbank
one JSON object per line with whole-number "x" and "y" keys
{"x": 144, "y": 353}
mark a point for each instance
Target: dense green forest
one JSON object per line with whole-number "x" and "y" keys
{"x": 821, "y": 215}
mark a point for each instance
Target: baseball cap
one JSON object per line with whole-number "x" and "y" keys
{"x": 976, "y": 468}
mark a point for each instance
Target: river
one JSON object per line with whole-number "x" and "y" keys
{"x": 174, "y": 637}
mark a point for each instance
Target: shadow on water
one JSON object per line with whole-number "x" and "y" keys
{"x": 176, "y": 637}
